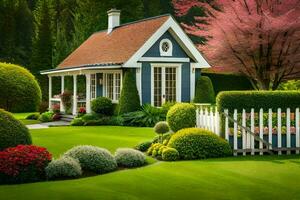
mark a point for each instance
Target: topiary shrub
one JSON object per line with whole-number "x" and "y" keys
{"x": 161, "y": 128}
{"x": 165, "y": 138}
{"x": 77, "y": 122}
{"x": 12, "y": 131}
{"x": 156, "y": 150}
{"x": 196, "y": 143}
{"x": 102, "y": 105}
{"x": 19, "y": 90}
{"x": 170, "y": 154}
{"x": 126, "y": 157}
{"x": 33, "y": 116}
{"x": 129, "y": 100}
{"x": 181, "y": 115}
{"x": 144, "y": 146}
{"x": 93, "y": 158}
{"x": 204, "y": 91}
{"x": 46, "y": 116}
{"x": 23, "y": 163}
{"x": 64, "y": 167}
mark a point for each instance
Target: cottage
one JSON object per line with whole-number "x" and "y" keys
{"x": 164, "y": 59}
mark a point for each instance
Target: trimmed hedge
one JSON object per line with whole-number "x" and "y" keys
{"x": 103, "y": 105}
{"x": 204, "y": 91}
{"x": 129, "y": 100}
{"x": 170, "y": 154}
{"x": 19, "y": 90}
{"x": 228, "y": 82}
{"x": 258, "y": 99}
{"x": 181, "y": 115}
{"x": 143, "y": 146}
{"x": 196, "y": 143}
{"x": 127, "y": 157}
{"x": 12, "y": 131}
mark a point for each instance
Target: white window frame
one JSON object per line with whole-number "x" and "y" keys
{"x": 93, "y": 90}
{"x": 178, "y": 67}
{"x": 170, "y": 50}
{"x": 114, "y": 100}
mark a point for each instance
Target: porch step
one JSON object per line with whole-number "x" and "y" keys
{"x": 67, "y": 118}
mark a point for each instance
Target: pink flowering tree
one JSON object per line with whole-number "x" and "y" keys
{"x": 259, "y": 38}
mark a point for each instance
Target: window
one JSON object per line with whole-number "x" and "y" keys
{"x": 112, "y": 85}
{"x": 166, "y": 47}
{"x": 93, "y": 86}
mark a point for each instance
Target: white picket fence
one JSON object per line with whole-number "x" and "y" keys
{"x": 252, "y": 132}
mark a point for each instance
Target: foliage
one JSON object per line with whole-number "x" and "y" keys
{"x": 143, "y": 146}
{"x": 66, "y": 98}
{"x": 93, "y": 158}
{"x": 170, "y": 154}
{"x": 90, "y": 116}
{"x": 182, "y": 115}
{"x": 165, "y": 138}
{"x": 161, "y": 127}
{"x": 228, "y": 82}
{"x": 129, "y": 100}
{"x": 102, "y": 105}
{"x": 245, "y": 44}
{"x": 156, "y": 149}
{"x": 56, "y": 117}
{"x": 56, "y": 108}
{"x": 46, "y": 116}
{"x": 99, "y": 122}
{"x": 166, "y": 106}
{"x": 196, "y": 143}
{"x": 12, "y": 131}
{"x": 43, "y": 106}
{"x": 19, "y": 90}
{"x": 34, "y": 116}
{"x": 64, "y": 167}
{"x": 127, "y": 157}
{"x": 116, "y": 121}
{"x": 257, "y": 99}
{"x": 290, "y": 85}
{"x": 148, "y": 116}
{"x": 77, "y": 122}
{"x": 81, "y": 112}
{"x": 23, "y": 163}
{"x": 204, "y": 91}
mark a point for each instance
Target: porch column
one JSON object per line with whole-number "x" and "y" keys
{"x": 62, "y": 108}
{"x": 50, "y": 91}
{"x": 88, "y": 93}
{"x": 74, "y": 95}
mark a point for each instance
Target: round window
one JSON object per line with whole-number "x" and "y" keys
{"x": 165, "y": 46}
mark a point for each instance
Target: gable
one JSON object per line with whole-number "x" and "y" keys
{"x": 177, "y": 51}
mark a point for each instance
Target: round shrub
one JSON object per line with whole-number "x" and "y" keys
{"x": 12, "y": 131}
{"x": 102, "y": 105}
{"x": 33, "y": 116}
{"x": 19, "y": 90}
{"x": 23, "y": 163}
{"x": 64, "y": 167}
{"x": 196, "y": 143}
{"x": 46, "y": 116}
{"x": 170, "y": 154}
{"x": 126, "y": 157}
{"x": 77, "y": 122}
{"x": 181, "y": 115}
{"x": 161, "y": 127}
{"x": 93, "y": 158}
{"x": 204, "y": 92}
{"x": 144, "y": 146}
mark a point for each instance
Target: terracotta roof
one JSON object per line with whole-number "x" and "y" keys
{"x": 116, "y": 47}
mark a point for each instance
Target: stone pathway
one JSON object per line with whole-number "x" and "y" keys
{"x": 48, "y": 124}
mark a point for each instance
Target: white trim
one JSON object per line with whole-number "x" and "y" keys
{"x": 62, "y": 89}
{"x": 50, "y": 91}
{"x": 164, "y": 59}
{"x": 193, "y": 81}
{"x": 88, "y": 93}
{"x": 180, "y": 37}
{"x": 138, "y": 75}
{"x": 59, "y": 71}
{"x": 170, "y": 50}
{"x": 114, "y": 72}
{"x": 74, "y": 95}
{"x": 178, "y": 67}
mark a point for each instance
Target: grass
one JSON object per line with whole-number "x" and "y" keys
{"x": 22, "y": 118}
{"x": 258, "y": 177}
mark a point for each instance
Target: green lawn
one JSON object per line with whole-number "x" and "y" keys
{"x": 259, "y": 177}
{"x": 22, "y": 116}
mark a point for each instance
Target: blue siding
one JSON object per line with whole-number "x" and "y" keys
{"x": 185, "y": 82}
{"x": 99, "y": 87}
{"x": 177, "y": 50}
{"x": 146, "y": 83}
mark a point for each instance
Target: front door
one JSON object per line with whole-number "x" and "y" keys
{"x": 164, "y": 85}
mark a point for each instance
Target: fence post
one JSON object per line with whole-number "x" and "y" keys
{"x": 288, "y": 129}
{"x": 261, "y": 130}
{"x": 270, "y": 119}
{"x": 226, "y": 125}
{"x": 206, "y": 122}
{"x": 197, "y": 118}
{"x": 201, "y": 117}
{"x": 217, "y": 121}
{"x": 252, "y": 130}
{"x": 244, "y": 137}
{"x": 297, "y": 119}
{"x": 235, "y": 132}
{"x": 279, "y": 130}
{"x": 211, "y": 119}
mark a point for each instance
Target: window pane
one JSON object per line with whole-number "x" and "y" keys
{"x": 157, "y": 87}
